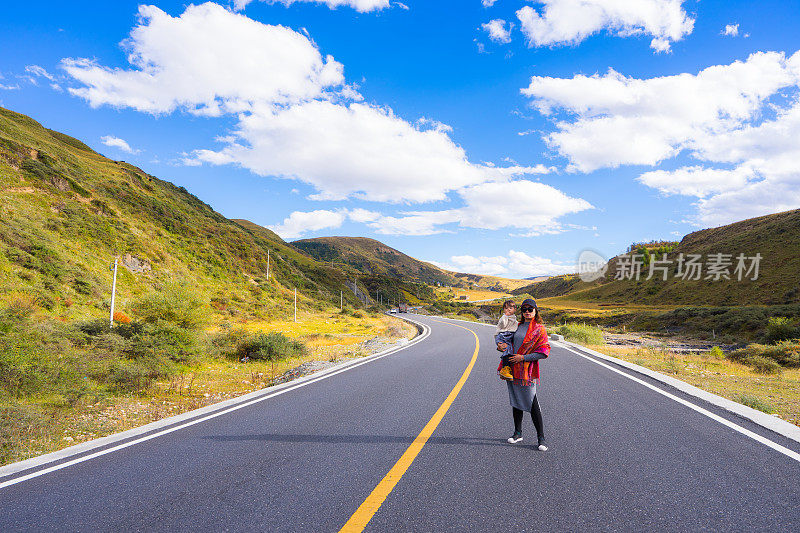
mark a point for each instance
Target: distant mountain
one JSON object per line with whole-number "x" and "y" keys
{"x": 775, "y": 237}
{"x": 373, "y": 258}
{"x": 494, "y": 283}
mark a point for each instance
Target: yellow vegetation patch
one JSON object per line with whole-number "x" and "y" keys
{"x": 778, "y": 393}
{"x": 329, "y": 337}
{"x": 473, "y": 295}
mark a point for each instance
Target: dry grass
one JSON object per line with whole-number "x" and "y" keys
{"x": 330, "y": 337}
{"x": 778, "y": 394}
{"x": 593, "y": 309}
{"x": 478, "y": 294}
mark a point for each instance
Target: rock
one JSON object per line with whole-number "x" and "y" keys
{"x": 134, "y": 264}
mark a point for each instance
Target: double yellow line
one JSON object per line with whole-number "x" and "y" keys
{"x": 367, "y": 510}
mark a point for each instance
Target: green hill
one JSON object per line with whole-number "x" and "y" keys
{"x": 373, "y": 258}
{"x": 67, "y": 211}
{"x": 775, "y": 237}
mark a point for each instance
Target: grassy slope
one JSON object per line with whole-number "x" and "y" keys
{"x": 373, "y": 258}
{"x": 776, "y": 237}
{"x": 493, "y": 283}
{"x": 67, "y": 210}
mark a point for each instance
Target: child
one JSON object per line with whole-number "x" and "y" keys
{"x": 504, "y": 332}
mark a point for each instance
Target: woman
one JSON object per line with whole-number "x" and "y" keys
{"x": 530, "y": 344}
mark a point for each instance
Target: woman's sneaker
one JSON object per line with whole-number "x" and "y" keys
{"x": 542, "y": 448}
{"x": 515, "y": 438}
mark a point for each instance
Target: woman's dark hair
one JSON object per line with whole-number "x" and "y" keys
{"x": 536, "y": 317}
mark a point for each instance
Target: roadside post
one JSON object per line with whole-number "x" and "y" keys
{"x": 113, "y": 292}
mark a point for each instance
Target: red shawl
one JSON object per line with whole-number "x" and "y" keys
{"x": 526, "y": 373}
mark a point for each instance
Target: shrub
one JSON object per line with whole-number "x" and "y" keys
{"x": 132, "y": 376}
{"x": 755, "y": 403}
{"x": 716, "y": 352}
{"x": 762, "y": 365}
{"x": 36, "y": 357}
{"x": 19, "y": 309}
{"x": 270, "y": 347}
{"x": 226, "y": 343}
{"x": 101, "y": 326}
{"x": 112, "y": 343}
{"x": 165, "y": 340}
{"x": 17, "y": 422}
{"x": 176, "y": 304}
{"x": 581, "y": 333}
{"x": 121, "y": 318}
{"x": 82, "y": 286}
{"x": 784, "y": 353}
{"x": 780, "y": 329}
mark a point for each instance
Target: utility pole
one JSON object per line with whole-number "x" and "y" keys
{"x": 113, "y": 293}
{"x": 295, "y": 304}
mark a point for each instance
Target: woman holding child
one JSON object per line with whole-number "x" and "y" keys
{"x": 524, "y": 346}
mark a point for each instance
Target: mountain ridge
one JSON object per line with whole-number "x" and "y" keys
{"x": 775, "y": 237}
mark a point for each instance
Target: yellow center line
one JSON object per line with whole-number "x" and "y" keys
{"x": 367, "y": 510}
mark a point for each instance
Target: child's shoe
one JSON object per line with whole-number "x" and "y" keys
{"x": 505, "y": 373}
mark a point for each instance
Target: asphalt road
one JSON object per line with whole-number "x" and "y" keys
{"x": 622, "y": 458}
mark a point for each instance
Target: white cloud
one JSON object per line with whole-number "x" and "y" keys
{"x": 297, "y": 119}
{"x": 618, "y": 120}
{"x": 488, "y": 3}
{"x": 40, "y": 72}
{"x": 696, "y": 181}
{"x": 488, "y": 266}
{"x": 527, "y": 205}
{"x": 362, "y": 6}
{"x": 417, "y": 222}
{"x": 299, "y": 222}
{"x": 738, "y": 124}
{"x": 357, "y": 150}
{"x": 363, "y": 215}
{"x": 518, "y": 204}
{"x": 497, "y": 30}
{"x": 515, "y": 264}
{"x": 565, "y": 22}
{"x": 731, "y": 30}
{"x": 121, "y": 144}
{"x": 765, "y": 177}
{"x": 207, "y": 61}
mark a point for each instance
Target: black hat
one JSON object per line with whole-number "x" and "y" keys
{"x": 529, "y": 301}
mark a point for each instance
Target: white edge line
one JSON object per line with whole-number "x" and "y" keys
{"x": 777, "y": 425}
{"x": 242, "y": 402}
{"x": 781, "y": 427}
{"x": 755, "y": 436}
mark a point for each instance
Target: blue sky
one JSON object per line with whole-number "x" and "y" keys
{"x": 491, "y": 137}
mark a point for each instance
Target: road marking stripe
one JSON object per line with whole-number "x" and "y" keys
{"x": 367, "y": 510}
{"x": 755, "y": 436}
{"x": 203, "y": 419}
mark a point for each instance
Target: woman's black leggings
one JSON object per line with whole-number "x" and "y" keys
{"x": 536, "y": 416}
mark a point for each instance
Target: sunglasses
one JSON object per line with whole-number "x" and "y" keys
{"x": 527, "y": 309}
